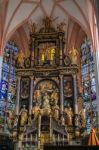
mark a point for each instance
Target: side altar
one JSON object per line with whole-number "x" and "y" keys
{"x": 46, "y": 98}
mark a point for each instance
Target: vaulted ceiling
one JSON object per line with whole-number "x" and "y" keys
{"x": 16, "y": 15}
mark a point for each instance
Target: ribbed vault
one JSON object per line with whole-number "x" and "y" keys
{"x": 15, "y": 16}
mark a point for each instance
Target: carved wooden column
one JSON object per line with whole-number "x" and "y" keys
{"x": 51, "y": 128}
{"x": 39, "y": 131}
{"x": 61, "y": 94}
{"x": 61, "y": 99}
{"x": 61, "y": 47}
{"x": 18, "y": 96}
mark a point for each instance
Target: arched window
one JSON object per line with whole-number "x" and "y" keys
{"x": 88, "y": 84}
{"x": 8, "y": 81}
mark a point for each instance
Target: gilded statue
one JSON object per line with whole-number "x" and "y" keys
{"x": 37, "y": 96}
{"x": 47, "y": 22}
{"x": 56, "y": 111}
{"x": 33, "y": 27}
{"x": 23, "y": 116}
{"x": 82, "y": 114}
{"x": 68, "y": 89}
{"x": 54, "y": 97}
{"x": 46, "y": 101}
{"x": 20, "y": 59}
{"x": 46, "y": 109}
{"x": 69, "y": 115}
{"x": 74, "y": 55}
{"x": 10, "y": 118}
{"x": 60, "y": 26}
{"x": 35, "y": 111}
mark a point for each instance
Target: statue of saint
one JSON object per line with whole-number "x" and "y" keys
{"x": 32, "y": 26}
{"x": 82, "y": 114}
{"x": 37, "y": 96}
{"x": 54, "y": 97}
{"x": 23, "y": 116}
{"x": 35, "y": 111}
{"x": 69, "y": 115}
{"x": 10, "y": 119}
{"x": 74, "y": 55}
{"x": 47, "y": 22}
{"x": 46, "y": 104}
{"x": 68, "y": 89}
{"x": 56, "y": 111}
{"x": 20, "y": 59}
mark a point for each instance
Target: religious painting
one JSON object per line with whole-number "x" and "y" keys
{"x": 46, "y": 94}
{"x": 47, "y": 53}
{"x": 68, "y": 91}
{"x": 25, "y": 83}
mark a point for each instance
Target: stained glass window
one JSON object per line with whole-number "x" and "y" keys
{"x": 8, "y": 81}
{"x": 88, "y": 84}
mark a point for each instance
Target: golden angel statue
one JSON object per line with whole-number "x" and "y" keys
{"x": 74, "y": 55}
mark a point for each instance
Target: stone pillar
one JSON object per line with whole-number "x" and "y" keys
{"x": 18, "y": 95}
{"x": 31, "y": 96}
